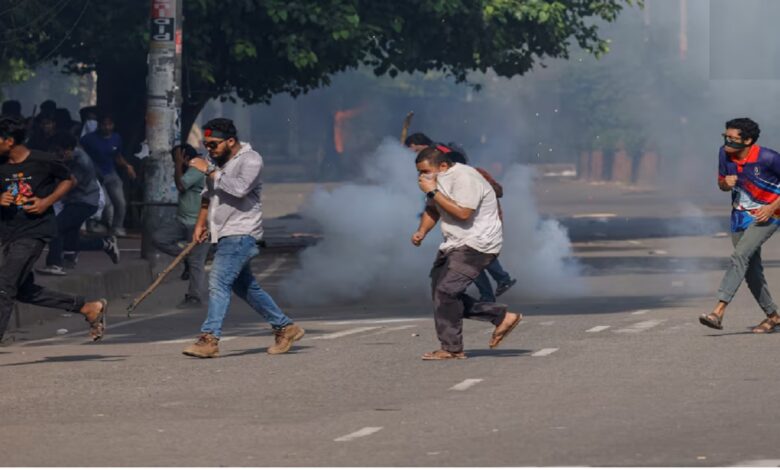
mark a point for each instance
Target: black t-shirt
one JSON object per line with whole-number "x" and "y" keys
{"x": 38, "y": 175}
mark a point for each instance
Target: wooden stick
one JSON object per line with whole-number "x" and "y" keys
{"x": 186, "y": 251}
{"x": 407, "y": 123}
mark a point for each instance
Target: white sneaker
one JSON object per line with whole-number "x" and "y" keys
{"x": 52, "y": 270}
{"x": 120, "y": 232}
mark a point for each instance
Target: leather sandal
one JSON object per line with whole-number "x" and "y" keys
{"x": 499, "y": 336}
{"x": 441, "y": 355}
{"x": 766, "y": 326}
{"x": 97, "y": 326}
{"x": 711, "y": 320}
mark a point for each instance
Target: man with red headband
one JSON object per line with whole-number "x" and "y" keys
{"x": 231, "y": 214}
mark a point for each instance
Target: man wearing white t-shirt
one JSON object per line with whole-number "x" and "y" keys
{"x": 468, "y": 209}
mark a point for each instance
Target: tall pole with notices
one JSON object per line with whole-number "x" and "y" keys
{"x": 163, "y": 116}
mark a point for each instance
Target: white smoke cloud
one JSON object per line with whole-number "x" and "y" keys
{"x": 366, "y": 249}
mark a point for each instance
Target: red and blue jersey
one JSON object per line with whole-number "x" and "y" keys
{"x": 758, "y": 184}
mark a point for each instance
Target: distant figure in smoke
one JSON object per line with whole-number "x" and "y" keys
{"x": 232, "y": 214}
{"x": 104, "y": 146}
{"x": 419, "y": 142}
{"x": 468, "y": 209}
{"x": 168, "y": 237}
{"x": 752, "y": 174}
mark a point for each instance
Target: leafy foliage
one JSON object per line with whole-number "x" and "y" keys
{"x": 254, "y": 49}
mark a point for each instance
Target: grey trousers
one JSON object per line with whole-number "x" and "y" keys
{"x": 167, "y": 238}
{"x": 746, "y": 264}
{"x": 451, "y": 275}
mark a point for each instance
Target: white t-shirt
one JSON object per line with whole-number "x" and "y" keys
{"x": 482, "y": 231}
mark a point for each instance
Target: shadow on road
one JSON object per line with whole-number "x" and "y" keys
{"x": 250, "y": 352}
{"x": 497, "y": 352}
{"x": 74, "y": 358}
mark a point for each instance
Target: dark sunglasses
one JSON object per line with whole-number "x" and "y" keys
{"x": 212, "y": 145}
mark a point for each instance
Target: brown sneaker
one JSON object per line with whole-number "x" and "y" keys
{"x": 285, "y": 338}
{"x": 206, "y": 346}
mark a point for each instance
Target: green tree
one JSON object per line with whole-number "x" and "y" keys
{"x": 254, "y": 49}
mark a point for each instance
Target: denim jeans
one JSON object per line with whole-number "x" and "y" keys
{"x": 116, "y": 207}
{"x": 483, "y": 283}
{"x": 231, "y": 270}
{"x": 745, "y": 264}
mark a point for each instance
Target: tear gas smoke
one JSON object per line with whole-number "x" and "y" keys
{"x": 366, "y": 249}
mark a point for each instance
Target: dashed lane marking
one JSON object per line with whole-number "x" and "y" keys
{"x": 465, "y": 385}
{"x": 544, "y": 352}
{"x": 641, "y": 326}
{"x": 358, "y": 434}
{"x": 640, "y": 312}
{"x": 596, "y": 329}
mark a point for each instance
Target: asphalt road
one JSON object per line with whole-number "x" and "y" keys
{"x": 621, "y": 375}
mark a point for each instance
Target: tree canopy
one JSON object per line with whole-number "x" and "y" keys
{"x": 254, "y": 49}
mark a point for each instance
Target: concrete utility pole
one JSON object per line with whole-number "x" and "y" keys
{"x": 163, "y": 112}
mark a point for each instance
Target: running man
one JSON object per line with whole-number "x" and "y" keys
{"x": 30, "y": 183}
{"x": 468, "y": 209}
{"x": 232, "y": 215}
{"x": 752, "y": 175}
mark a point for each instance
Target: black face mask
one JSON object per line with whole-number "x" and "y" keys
{"x": 734, "y": 145}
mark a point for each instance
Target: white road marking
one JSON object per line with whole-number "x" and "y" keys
{"x": 465, "y": 385}
{"x": 544, "y": 352}
{"x": 758, "y": 463}
{"x": 384, "y": 330}
{"x": 640, "y": 312}
{"x": 370, "y": 322}
{"x": 352, "y": 331}
{"x": 547, "y": 323}
{"x": 110, "y": 326}
{"x": 263, "y": 275}
{"x": 272, "y": 268}
{"x": 596, "y": 329}
{"x": 358, "y": 434}
{"x": 641, "y": 326}
{"x": 190, "y": 340}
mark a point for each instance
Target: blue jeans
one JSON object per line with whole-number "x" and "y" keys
{"x": 483, "y": 283}
{"x": 231, "y": 270}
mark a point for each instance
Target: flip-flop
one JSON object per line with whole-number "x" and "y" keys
{"x": 442, "y": 355}
{"x": 711, "y": 320}
{"x": 97, "y": 327}
{"x": 496, "y": 339}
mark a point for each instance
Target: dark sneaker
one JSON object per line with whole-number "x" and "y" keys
{"x": 504, "y": 286}
{"x": 207, "y": 346}
{"x": 69, "y": 259}
{"x": 185, "y": 274}
{"x": 285, "y": 337}
{"x": 111, "y": 247}
{"x": 52, "y": 270}
{"x": 189, "y": 302}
